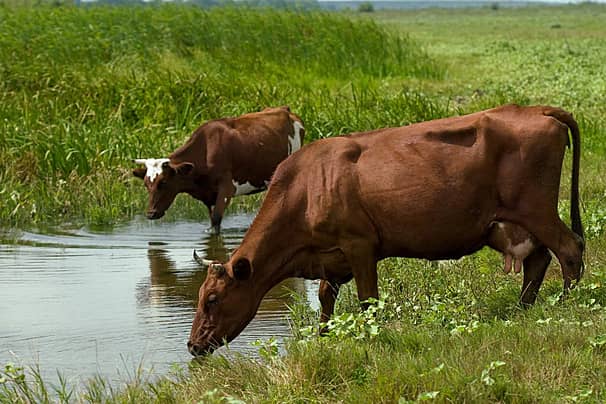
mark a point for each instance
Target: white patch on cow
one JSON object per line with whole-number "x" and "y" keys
{"x": 294, "y": 142}
{"x": 523, "y": 249}
{"x": 245, "y": 189}
{"x": 154, "y": 167}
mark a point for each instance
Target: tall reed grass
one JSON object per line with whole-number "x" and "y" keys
{"x": 85, "y": 89}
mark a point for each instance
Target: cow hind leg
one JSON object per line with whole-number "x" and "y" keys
{"x": 570, "y": 255}
{"x": 535, "y": 266}
{"x": 327, "y": 294}
{"x": 557, "y": 237}
{"x": 567, "y": 247}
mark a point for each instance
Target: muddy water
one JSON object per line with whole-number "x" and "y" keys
{"x": 104, "y": 301}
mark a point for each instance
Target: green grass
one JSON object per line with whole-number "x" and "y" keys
{"x": 85, "y": 90}
{"x": 452, "y": 330}
{"x": 448, "y": 332}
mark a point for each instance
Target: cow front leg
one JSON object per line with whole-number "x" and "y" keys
{"x": 224, "y": 195}
{"x": 211, "y": 229}
{"x": 215, "y": 220}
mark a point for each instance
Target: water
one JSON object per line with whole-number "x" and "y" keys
{"x": 90, "y": 302}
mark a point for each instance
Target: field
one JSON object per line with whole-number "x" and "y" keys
{"x": 79, "y": 98}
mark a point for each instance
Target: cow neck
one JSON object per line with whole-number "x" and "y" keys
{"x": 193, "y": 151}
{"x": 273, "y": 256}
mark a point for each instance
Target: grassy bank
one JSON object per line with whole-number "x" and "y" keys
{"x": 443, "y": 333}
{"x": 448, "y": 332}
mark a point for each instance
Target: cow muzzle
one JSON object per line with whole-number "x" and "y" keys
{"x": 198, "y": 351}
{"x": 154, "y": 214}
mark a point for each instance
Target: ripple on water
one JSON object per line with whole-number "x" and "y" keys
{"x": 88, "y": 301}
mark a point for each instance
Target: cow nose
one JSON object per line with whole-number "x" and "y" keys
{"x": 197, "y": 350}
{"x": 193, "y": 349}
{"x": 154, "y": 214}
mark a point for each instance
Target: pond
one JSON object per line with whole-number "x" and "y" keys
{"x": 89, "y": 302}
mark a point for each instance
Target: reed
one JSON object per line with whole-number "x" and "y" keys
{"x": 86, "y": 89}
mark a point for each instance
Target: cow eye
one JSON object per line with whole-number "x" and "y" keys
{"x": 212, "y": 299}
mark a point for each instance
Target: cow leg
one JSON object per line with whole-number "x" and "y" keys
{"x": 215, "y": 221}
{"x": 364, "y": 270}
{"x": 224, "y": 195}
{"x": 210, "y": 215}
{"x": 535, "y": 266}
{"x": 555, "y": 235}
{"x": 567, "y": 247}
{"x": 327, "y": 295}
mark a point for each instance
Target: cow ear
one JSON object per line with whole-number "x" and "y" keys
{"x": 184, "y": 168}
{"x": 167, "y": 168}
{"x": 140, "y": 172}
{"x": 242, "y": 269}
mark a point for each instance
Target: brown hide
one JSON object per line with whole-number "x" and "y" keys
{"x": 434, "y": 190}
{"x": 243, "y": 150}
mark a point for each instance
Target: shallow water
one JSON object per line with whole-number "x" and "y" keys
{"x": 90, "y": 302}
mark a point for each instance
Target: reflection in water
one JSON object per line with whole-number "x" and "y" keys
{"x": 168, "y": 287}
{"x": 216, "y": 249}
{"x": 88, "y": 302}
{"x": 166, "y": 284}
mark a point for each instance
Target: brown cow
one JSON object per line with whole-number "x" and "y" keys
{"x": 223, "y": 158}
{"x": 434, "y": 190}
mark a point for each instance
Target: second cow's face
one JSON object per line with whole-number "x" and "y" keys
{"x": 163, "y": 181}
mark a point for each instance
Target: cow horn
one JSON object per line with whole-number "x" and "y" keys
{"x": 202, "y": 261}
{"x": 139, "y": 161}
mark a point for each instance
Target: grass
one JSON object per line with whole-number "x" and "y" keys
{"x": 447, "y": 332}
{"x": 452, "y": 331}
{"x": 86, "y": 89}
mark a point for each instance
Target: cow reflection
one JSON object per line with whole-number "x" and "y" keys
{"x": 216, "y": 249}
{"x": 172, "y": 285}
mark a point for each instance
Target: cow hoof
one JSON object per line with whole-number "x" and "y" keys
{"x": 213, "y": 231}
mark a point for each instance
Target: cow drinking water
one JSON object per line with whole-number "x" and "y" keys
{"x": 223, "y": 158}
{"x": 435, "y": 190}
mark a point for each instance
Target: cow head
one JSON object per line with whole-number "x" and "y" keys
{"x": 227, "y": 302}
{"x": 163, "y": 180}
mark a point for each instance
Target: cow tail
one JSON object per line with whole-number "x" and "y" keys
{"x": 575, "y": 213}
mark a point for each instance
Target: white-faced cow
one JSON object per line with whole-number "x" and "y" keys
{"x": 223, "y": 158}
{"x": 436, "y": 190}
